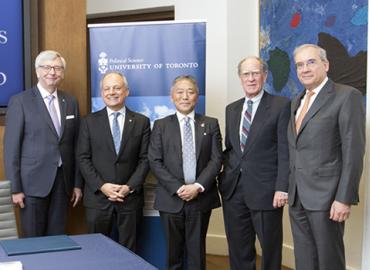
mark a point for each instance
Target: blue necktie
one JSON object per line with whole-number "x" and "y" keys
{"x": 116, "y": 132}
{"x": 247, "y": 121}
{"x": 188, "y": 153}
{"x": 53, "y": 113}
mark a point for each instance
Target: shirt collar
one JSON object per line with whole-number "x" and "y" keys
{"x": 181, "y": 116}
{"x": 321, "y": 85}
{"x": 255, "y": 99}
{"x": 45, "y": 93}
{"x": 122, "y": 111}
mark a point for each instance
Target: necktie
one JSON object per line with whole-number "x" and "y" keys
{"x": 247, "y": 122}
{"x": 304, "y": 110}
{"x": 188, "y": 153}
{"x": 53, "y": 113}
{"x": 116, "y": 132}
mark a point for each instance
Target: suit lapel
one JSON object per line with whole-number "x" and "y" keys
{"x": 199, "y": 127}
{"x": 175, "y": 133}
{"x": 320, "y": 100}
{"x": 235, "y": 118}
{"x": 62, "y": 108}
{"x": 104, "y": 128}
{"x": 258, "y": 121}
{"x": 40, "y": 104}
{"x": 127, "y": 129}
{"x": 295, "y": 105}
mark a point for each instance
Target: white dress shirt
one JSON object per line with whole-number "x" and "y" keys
{"x": 313, "y": 97}
{"x": 44, "y": 94}
{"x": 120, "y": 118}
{"x": 181, "y": 118}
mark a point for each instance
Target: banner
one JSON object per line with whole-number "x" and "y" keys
{"x": 150, "y": 55}
{"x": 11, "y": 50}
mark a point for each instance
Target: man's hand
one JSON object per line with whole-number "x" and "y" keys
{"x": 280, "y": 199}
{"x": 188, "y": 192}
{"x": 339, "y": 211}
{"x": 18, "y": 199}
{"x": 112, "y": 191}
{"x": 76, "y": 196}
{"x": 125, "y": 190}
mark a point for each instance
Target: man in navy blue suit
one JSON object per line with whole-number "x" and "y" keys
{"x": 112, "y": 153}
{"x": 254, "y": 180}
{"x": 39, "y": 150}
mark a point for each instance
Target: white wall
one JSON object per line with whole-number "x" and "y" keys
{"x": 232, "y": 33}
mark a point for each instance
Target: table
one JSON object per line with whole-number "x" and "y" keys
{"x": 97, "y": 252}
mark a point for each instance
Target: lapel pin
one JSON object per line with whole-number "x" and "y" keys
{"x": 204, "y": 134}
{"x": 202, "y": 125}
{"x": 130, "y": 120}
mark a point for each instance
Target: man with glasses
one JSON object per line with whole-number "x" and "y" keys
{"x": 39, "y": 150}
{"x": 254, "y": 180}
{"x": 326, "y": 137}
{"x": 112, "y": 154}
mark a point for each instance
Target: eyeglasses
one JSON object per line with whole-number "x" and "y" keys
{"x": 308, "y": 64}
{"x": 254, "y": 74}
{"x": 48, "y": 68}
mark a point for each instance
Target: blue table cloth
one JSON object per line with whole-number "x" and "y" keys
{"x": 97, "y": 253}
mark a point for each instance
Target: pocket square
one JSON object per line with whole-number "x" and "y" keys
{"x": 70, "y": 116}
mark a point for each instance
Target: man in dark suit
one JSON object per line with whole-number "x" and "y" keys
{"x": 254, "y": 180}
{"x": 326, "y": 136}
{"x": 185, "y": 155}
{"x": 112, "y": 153}
{"x": 39, "y": 150}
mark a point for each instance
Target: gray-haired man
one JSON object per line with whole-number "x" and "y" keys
{"x": 39, "y": 150}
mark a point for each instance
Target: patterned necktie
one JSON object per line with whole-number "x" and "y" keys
{"x": 247, "y": 122}
{"x": 304, "y": 110}
{"x": 188, "y": 153}
{"x": 116, "y": 132}
{"x": 53, "y": 113}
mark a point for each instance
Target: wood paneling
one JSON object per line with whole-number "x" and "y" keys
{"x": 140, "y": 17}
{"x": 62, "y": 27}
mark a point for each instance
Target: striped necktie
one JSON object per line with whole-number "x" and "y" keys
{"x": 247, "y": 122}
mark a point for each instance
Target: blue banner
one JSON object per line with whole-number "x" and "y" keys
{"x": 11, "y": 49}
{"x": 150, "y": 55}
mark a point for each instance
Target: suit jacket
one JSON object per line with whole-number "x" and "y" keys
{"x": 165, "y": 158}
{"x": 32, "y": 146}
{"x": 327, "y": 154}
{"x": 263, "y": 166}
{"x": 100, "y": 164}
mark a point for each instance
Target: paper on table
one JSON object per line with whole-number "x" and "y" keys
{"x": 38, "y": 245}
{"x": 13, "y": 265}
